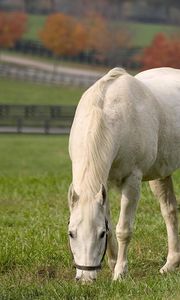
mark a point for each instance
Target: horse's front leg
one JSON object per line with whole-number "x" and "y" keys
{"x": 111, "y": 242}
{"x": 129, "y": 200}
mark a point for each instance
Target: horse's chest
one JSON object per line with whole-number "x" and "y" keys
{"x": 119, "y": 170}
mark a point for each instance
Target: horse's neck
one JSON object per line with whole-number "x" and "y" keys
{"x": 90, "y": 179}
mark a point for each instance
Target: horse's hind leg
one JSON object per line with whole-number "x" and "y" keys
{"x": 163, "y": 190}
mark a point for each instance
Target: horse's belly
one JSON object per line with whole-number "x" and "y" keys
{"x": 164, "y": 166}
{"x": 166, "y": 162}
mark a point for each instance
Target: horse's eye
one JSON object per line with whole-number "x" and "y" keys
{"x": 71, "y": 234}
{"x": 102, "y": 234}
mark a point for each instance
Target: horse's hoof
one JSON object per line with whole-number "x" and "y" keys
{"x": 119, "y": 277}
{"x": 172, "y": 263}
{"x": 167, "y": 268}
{"x": 120, "y": 272}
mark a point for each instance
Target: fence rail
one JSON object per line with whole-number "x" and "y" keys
{"x": 48, "y": 119}
{"x": 46, "y": 77}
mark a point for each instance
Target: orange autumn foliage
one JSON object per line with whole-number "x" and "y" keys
{"x": 163, "y": 52}
{"x": 97, "y": 33}
{"x": 12, "y": 27}
{"x": 63, "y": 35}
{"x": 104, "y": 39}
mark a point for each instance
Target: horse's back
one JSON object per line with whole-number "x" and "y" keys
{"x": 164, "y": 83}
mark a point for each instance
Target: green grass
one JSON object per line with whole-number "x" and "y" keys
{"x": 21, "y": 92}
{"x": 35, "y": 262}
{"x": 142, "y": 33}
{"x": 34, "y": 25}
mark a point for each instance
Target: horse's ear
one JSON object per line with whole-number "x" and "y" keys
{"x": 101, "y": 195}
{"x": 72, "y": 197}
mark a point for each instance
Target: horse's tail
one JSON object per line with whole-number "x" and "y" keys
{"x": 98, "y": 147}
{"x": 100, "y": 87}
{"x": 113, "y": 74}
{"x": 100, "y": 143}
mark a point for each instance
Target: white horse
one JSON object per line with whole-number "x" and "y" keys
{"x": 126, "y": 129}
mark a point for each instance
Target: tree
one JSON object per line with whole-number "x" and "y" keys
{"x": 63, "y": 35}
{"x": 12, "y": 27}
{"x": 164, "y": 51}
{"x": 97, "y": 33}
{"x": 106, "y": 41}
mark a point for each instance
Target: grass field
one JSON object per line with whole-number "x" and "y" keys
{"x": 21, "y": 92}
{"x": 34, "y": 25}
{"x": 142, "y": 33}
{"x": 35, "y": 262}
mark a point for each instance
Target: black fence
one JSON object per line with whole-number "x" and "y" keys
{"x": 48, "y": 119}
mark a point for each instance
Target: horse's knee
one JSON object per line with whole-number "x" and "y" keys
{"x": 169, "y": 212}
{"x": 123, "y": 235}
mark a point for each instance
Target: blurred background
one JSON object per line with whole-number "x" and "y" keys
{"x": 64, "y": 46}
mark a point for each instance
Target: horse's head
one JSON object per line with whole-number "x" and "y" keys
{"x": 87, "y": 230}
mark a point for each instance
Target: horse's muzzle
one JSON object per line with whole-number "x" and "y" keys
{"x": 86, "y": 276}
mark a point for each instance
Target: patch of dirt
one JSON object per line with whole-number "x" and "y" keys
{"x": 47, "y": 272}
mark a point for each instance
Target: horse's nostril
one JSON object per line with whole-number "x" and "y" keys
{"x": 77, "y": 279}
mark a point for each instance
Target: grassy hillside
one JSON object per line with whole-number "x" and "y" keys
{"x": 35, "y": 261}
{"x": 142, "y": 34}
{"x": 34, "y": 25}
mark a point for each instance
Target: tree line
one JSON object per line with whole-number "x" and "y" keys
{"x": 66, "y": 35}
{"x": 109, "y": 8}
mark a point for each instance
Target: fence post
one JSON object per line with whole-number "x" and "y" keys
{"x": 46, "y": 127}
{"x": 35, "y": 118}
{"x": 19, "y": 125}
